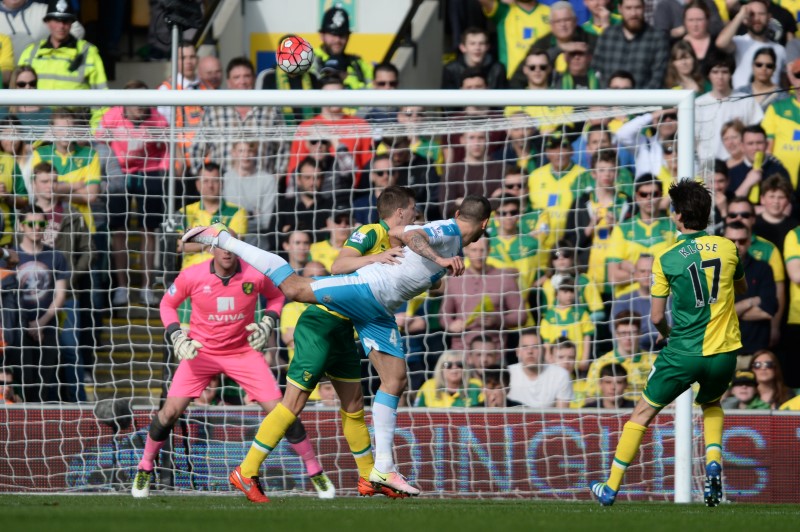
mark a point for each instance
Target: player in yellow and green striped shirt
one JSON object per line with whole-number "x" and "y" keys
{"x": 702, "y": 273}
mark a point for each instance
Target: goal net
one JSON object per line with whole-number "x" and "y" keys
{"x": 296, "y": 174}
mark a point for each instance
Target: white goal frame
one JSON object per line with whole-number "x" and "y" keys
{"x": 683, "y": 100}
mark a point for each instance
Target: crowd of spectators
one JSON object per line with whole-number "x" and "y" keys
{"x": 553, "y": 309}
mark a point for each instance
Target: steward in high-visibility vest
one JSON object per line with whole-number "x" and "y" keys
{"x": 61, "y": 61}
{"x": 335, "y": 32}
{"x": 73, "y": 65}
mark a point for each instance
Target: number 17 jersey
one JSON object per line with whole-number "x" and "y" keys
{"x": 699, "y": 271}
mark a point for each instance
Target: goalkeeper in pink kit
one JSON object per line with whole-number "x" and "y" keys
{"x": 222, "y": 339}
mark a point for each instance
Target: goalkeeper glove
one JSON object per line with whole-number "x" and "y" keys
{"x": 261, "y": 331}
{"x": 185, "y": 347}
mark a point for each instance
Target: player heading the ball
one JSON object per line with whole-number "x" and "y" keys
{"x": 370, "y": 297}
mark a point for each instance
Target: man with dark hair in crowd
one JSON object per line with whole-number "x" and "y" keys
{"x": 621, "y": 80}
{"x": 773, "y": 223}
{"x": 496, "y": 383}
{"x": 534, "y": 382}
{"x": 483, "y": 301}
{"x": 551, "y": 187}
{"x": 339, "y": 226}
{"x": 638, "y": 301}
{"x": 305, "y": 210}
{"x": 635, "y": 46}
{"x": 745, "y": 178}
{"x": 611, "y": 389}
{"x": 296, "y": 247}
{"x": 255, "y": 191}
{"x": 474, "y": 50}
{"x": 387, "y": 78}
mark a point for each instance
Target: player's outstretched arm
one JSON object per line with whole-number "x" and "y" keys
{"x": 417, "y": 241}
{"x": 349, "y": 259}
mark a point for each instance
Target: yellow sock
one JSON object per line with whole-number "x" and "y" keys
{"x": 713, "y": 419}
{"x": 628, "y": 446}
{"x": 269, "y": 434}
{"x": 357, "y": 435}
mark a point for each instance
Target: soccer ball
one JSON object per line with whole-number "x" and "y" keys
{"x": 294, "y": 55}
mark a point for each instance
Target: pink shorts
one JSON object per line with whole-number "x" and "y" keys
{"x": 248, "y": 369}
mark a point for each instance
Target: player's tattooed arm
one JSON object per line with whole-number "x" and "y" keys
{"x": 417, "y": 241}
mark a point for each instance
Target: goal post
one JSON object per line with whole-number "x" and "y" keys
{"x": 635, "y": 100}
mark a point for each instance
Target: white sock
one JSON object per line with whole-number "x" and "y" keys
{"x": 267, "y": 263}
{"x": 384, "y": 420}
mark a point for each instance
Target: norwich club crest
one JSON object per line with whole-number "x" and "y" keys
{"x": 247, "y": 288}
{"x": 306, "y": 376}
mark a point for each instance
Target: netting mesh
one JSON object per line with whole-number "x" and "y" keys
{"x": 560, "y": 180}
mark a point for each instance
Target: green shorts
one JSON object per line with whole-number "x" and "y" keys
{"x": 674, "y": 373}
{"x": 323, "y": 345}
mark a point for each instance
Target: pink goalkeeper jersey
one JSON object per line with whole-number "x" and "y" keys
{"x": 220, "y": 310}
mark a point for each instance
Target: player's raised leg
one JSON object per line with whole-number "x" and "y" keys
{"x": 282, "y": 275}
{"x": 157, "y": 435}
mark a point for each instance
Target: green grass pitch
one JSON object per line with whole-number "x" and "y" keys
{"x": 175, "y": 513}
